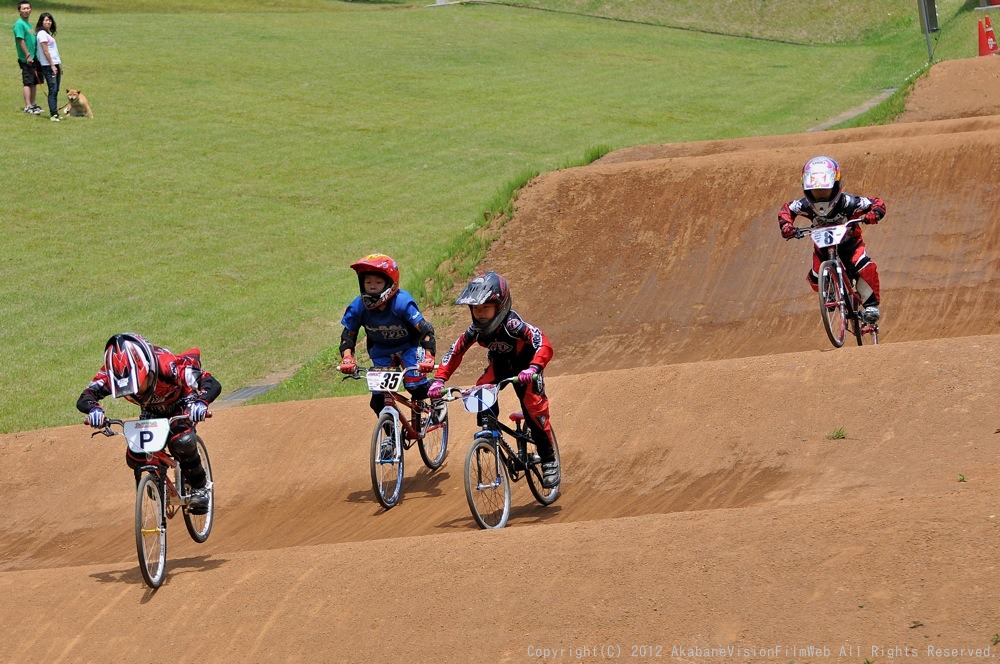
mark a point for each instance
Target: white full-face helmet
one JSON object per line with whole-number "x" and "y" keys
{"x": 821, "y": 184}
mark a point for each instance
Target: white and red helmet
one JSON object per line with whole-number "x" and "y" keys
{"x": 821, "y": 184}
{"x": 383, "y": 266}
{"x": 131, "y": 365}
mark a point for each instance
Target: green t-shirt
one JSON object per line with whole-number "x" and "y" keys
{"x": 23, "y": 30}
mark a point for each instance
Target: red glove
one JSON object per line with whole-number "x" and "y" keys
{"x": 426, "y": 365}
{"x": 787, "y": 230}
{"x": 870, "y": 218}
{"x": 347, "y": 365}
{"x": 436, "y": 388}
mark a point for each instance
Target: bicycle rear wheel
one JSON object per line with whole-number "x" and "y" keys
{"x": 434, "y": 445}
{"x": 386, "y": 462}
{"x": 487, "y": 486}
{"x": 832, "y": 307}
{"x": 541, "y": 494}
{"x": 150, "y": 529}
{"x": 200, "y": 525}
{"x": 861, "y": 327}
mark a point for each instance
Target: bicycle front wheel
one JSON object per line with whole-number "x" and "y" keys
{"x": 487, "y": 486}
{"x": 434, "y": 444}
{"x": 541, "y": 494}
{"x": 151, "y": 530}
{"x": 831, "y": 303}
{"x": 386, "y": 462}
{"x": 200, "y": 525}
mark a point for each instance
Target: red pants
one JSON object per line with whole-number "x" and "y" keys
{"x": 857, "y": 262}
{"x": 535, "y": 406}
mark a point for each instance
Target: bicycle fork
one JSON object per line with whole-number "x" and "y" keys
{"x": 161, "y": 487}
{"x": 489, "y": 482}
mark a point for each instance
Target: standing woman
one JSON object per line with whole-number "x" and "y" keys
{"x": 48, "y": 59}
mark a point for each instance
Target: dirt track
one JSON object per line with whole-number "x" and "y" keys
{"x": 693, "y": 390}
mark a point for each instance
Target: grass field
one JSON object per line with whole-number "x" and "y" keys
{"x": 240, "y": 160}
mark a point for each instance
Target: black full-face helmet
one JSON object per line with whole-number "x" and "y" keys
{"x": 484, "y": 289}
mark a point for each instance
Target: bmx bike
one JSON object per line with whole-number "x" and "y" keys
{"x": 840, "y": 304}
{"x": 158, "y": 496}
{"x": 401, "y": 423}
{"x": 492, "y": 463}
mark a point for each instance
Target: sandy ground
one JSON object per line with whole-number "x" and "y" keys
{"x": 707, "y": 513}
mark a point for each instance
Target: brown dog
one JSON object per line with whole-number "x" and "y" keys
{"x": 78, "y": 106}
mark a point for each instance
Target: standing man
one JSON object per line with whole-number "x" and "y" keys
{"x": 24, "y": 41}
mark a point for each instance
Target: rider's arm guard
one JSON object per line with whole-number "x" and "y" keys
{"x": 348, "y": 340}
{"x": 427, "y": 340}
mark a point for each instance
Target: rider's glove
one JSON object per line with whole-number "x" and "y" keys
{"x": 528, "y": 374}
{"x": 347, "y": 365}
{"x": 870, "y": 218}
{"x": 787, "y": 230}
{"x": 436, "y": 389}
{"x": 95, "y": 417}
{"x": 426, "y": 365}
{"x": 198, "y": 411}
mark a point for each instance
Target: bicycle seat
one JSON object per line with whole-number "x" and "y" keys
{"x": 517, "y": 417}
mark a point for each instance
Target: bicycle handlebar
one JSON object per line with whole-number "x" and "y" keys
{"x": 361, "y": 372}
{"x": 456, "y": 393}
{"x": 803, "y": 231}
{"x": 108, "y": 431}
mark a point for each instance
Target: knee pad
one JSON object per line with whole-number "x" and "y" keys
{"x": 185, "y": 446}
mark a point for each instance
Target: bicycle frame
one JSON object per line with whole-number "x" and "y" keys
{"x": 408, "y": 429}
{"x": 494, "y": 429}
{"x": 827, "y": 239}
{"x": 516, "y": 462}
{"x": 492, "y": 465}
{"x": 149, "y": 437}
{"x": 400, "y": 430}
{"x": 853, "y": 299}
{"x": 159, "y": 463}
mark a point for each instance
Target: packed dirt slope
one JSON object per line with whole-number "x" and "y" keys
{"x": 677, "y": 257}
{"x": 706, "y": 506}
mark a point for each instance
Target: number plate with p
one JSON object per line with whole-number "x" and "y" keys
{"x": 147, "y": 436}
